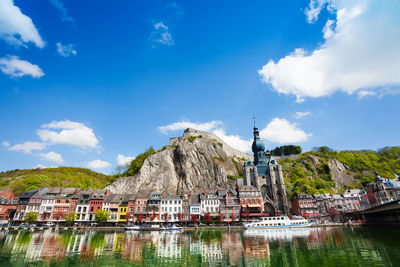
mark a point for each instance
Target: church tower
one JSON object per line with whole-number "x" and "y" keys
{"x": 266, "y": 175}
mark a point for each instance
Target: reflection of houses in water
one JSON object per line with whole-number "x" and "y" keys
{"x": 133, "y": 245}
{"x": 255, "y": 248}
{"x": 34, "y": 249}
{"x": 233, "y": 247}
{"x": 76, "y": 243}
{"x": 53, "y": 247}
{"x": 169, "y": 245}
{"x": 211, "y": 252}
{"x": 109, "y": 244}
{"x": 195, "y": 248}
{"x": 119, "y": 243}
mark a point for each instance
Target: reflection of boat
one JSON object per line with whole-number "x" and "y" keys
{"x": 278, "y": 222}
{"x": 133, "y": 228}
{"x": 279, "y": 234}
{"x": 172, "y": 228}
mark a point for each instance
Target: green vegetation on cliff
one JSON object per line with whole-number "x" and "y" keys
{"x": 310, "y": 172}
{"x": 23, "y": 180}
{"x": 137, "y": 163}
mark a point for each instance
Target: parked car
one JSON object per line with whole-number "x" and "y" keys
{"x": 49, "y": 224}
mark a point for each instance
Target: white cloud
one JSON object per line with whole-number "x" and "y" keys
{"x": 281, "y": 131}
{"x": 365, "y": 93}
{"x": 124, "y": 160}
{"x": 161, "y": 35}
{"x": 182, "y": 125}
{"x": 64, "y": 11}
{"x": 315, "y": 7}
{"x": 52, "y": 157}
{"x": 40, "y": 166}
{"x": 28, "y": 146}
{"x": 5, "y": 143}
{"x": 15, "y": 67}
{"x": 300, "y": 115}
{"x": 98, "y": 164}
{"x": 70, "y": 133}
{"x": 234, "y": 141}
{"x": 179, "y": 11}
{"x": 17, "y": 28}
{"x": 66, "y": 50}
{"x": 360, "y": 52}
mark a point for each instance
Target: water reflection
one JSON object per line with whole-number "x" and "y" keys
{"x": 299, "y": 247}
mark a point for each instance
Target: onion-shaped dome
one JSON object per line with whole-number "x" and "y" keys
{"x": 258, "y": 145}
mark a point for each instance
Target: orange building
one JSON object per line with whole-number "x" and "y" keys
{"x": 7, "y": 194}
{"x": 141, "y": 208}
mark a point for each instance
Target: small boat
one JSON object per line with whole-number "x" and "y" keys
{"x": 172, "y": 228}
{"x": 133, "y": 228}
{"x": 278, "y": 222}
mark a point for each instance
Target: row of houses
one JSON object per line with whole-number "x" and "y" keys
{"x": 54, "y": 204}
{"x": 322, "y": 205}
{"x": 378, "y": 192}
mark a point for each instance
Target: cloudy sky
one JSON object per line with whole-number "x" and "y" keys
{"x": 94, "y": 85}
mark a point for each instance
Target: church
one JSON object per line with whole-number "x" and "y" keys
{"x": 266, "y": 175}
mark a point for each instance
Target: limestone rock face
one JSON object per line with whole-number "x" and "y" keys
{"x": 340, "y": 173}
{"x": 195, "y": 162}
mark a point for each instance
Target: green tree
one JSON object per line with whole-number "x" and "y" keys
{"x": 70, "y": 218}
{"x": 101, "y": 216}
{"x": 137, "y": 163}
{"x": 286, "y": 150}
{"x": 31, "y": 217}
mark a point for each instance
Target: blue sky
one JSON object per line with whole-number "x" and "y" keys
{"x": 94, "y": 85}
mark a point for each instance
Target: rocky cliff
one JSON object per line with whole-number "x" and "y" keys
{"x": 194, "y": 162}
{"x": 201, "y": 161}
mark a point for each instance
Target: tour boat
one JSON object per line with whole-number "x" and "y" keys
{"x": 278, "y": 222}
{"x": 133, "y": 228}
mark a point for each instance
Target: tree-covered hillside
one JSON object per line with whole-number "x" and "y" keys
{"x": 23, "y": 180}
{"x": 313, "y": 172}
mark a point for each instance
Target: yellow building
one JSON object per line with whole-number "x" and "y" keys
{"x": 122, "y": 211}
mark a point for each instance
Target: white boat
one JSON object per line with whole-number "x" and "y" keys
{"x": 172, "y": 228}
{"x": 278, "y": 222}
{"x": 133, "y": 228}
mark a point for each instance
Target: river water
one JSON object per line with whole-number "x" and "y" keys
{"x": 360, "y": 246}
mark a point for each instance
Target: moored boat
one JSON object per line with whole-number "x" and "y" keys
{"x": 172, "y": 228}
{"x": 133, "y": 228}
{"x": 278, "y": 222}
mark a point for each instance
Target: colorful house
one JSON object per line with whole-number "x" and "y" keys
{"x": 96, "y": 201}
{"x": 123, "y": 209}
{"x": 229, "y": 205}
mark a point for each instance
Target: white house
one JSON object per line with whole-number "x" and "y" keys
{"x": 209, "y": 204}
{"x": 171, "y": 205}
